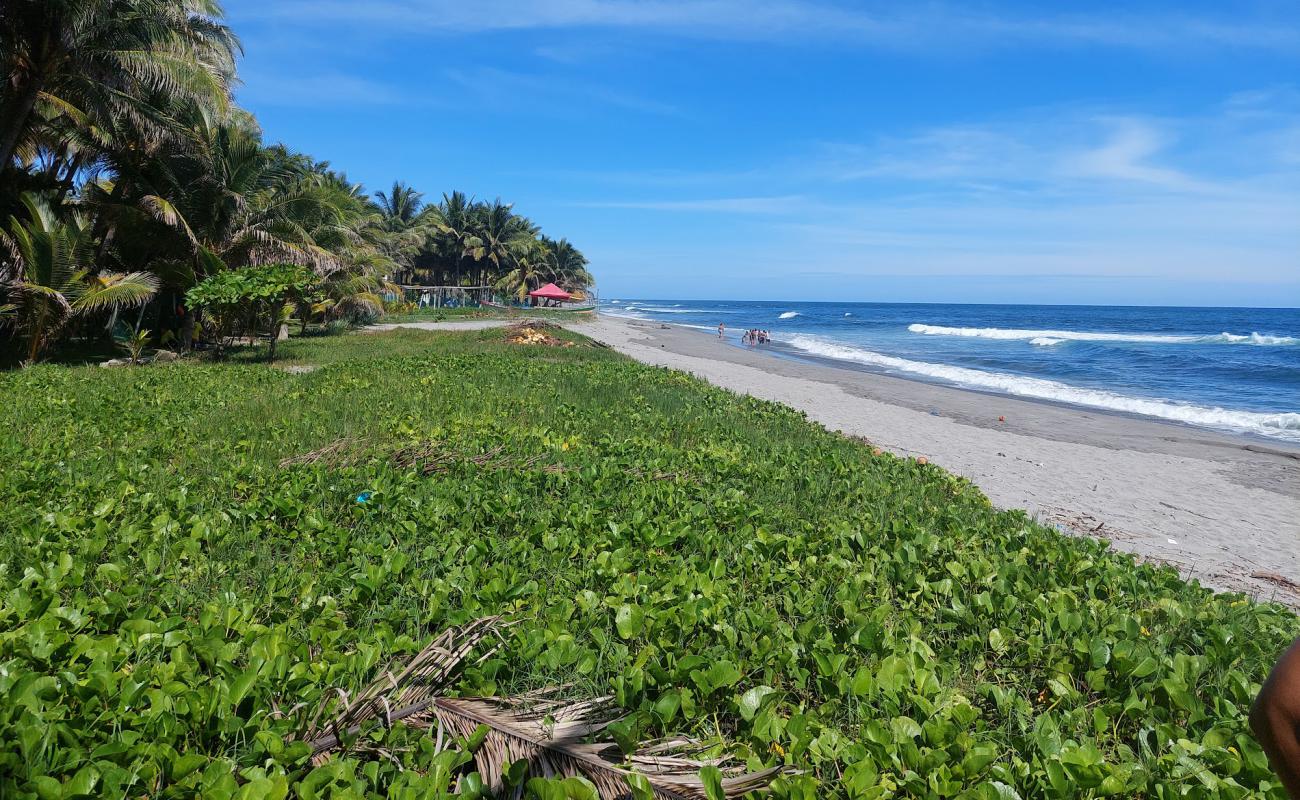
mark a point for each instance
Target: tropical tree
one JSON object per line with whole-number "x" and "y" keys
{"x": 50, "y": 281}
{"x": 89, "y": 63}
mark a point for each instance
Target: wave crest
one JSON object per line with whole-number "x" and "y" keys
{"x": 1280, "y": 425}
{"x": 1260, "y": 339}
{"x": 789, "y": 315}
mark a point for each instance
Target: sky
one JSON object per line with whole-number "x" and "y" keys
{"x": 1143, "y": 152}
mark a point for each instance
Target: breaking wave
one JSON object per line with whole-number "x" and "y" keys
{"x": 1278, "y": 425}
{"x": 1055, "y": 337}
{"x": 789, "y": 315}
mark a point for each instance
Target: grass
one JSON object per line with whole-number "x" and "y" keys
{"x": 176, "y": 591}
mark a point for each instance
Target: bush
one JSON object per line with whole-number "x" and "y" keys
{"x": 239, "y": 302}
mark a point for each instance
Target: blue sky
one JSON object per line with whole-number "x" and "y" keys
{"x": 1075, "y": 152}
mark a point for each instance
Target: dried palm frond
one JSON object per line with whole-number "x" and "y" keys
{"x": 410, "y": 692}
{"x": 336, "y": 453}
{"x": 552, "y": 734}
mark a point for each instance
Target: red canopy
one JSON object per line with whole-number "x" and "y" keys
{"x": 550, "y": 292}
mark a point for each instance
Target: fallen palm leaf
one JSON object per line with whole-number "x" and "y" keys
{"x": 397, "y": 697}
{"x": 551, "y": 736}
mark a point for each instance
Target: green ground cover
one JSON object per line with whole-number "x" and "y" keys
{"x": 177, "y": 585}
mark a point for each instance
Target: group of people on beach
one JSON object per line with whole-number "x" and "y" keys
{"x": 752, "y": 336}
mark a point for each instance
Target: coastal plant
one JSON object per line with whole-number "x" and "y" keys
{"x": 136, "y": 344}
{"x": 239, "y": 302}
{"x": 51, "y": 281}
{"x": 194, "y": 560}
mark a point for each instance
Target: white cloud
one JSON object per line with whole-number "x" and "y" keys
{"x": 510, "y": 91}
{"x": 901, "y": 26}
{"x": 313, "y": 91}
{"x": 786, "y": 204}
{"x": 1127, "y": 156}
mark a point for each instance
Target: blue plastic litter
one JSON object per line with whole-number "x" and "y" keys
{"x": 364, "y": 498}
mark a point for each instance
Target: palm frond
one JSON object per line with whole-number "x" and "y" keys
{"x": 117, "y": 290}
{"x": 410, "y": 692}
{"x": 554, "y": 735}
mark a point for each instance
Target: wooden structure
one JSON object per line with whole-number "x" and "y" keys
{"x": 448, "y": 296}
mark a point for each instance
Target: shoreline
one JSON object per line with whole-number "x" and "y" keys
{"x": 1219, "y": 507}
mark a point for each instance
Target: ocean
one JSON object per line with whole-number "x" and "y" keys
{"x": 1229, "y": 369}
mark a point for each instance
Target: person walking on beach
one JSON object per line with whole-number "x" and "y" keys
{"x": 722, "y": 328}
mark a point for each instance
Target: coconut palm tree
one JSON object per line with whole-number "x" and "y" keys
{"x": 565, "y": 264}
{"x": 49, "y": 279}
{"x": 91, "y": 62}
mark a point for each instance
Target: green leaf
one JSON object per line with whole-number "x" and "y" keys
{"x": 629, "y": 620}
{"x": 751, "y": 700}
{"x": 711, "y": 777}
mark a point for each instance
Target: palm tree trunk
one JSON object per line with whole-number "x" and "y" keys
{"x": 12, "y": 128}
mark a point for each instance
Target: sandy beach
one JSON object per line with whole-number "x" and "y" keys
{"x": 1224, "y": 510}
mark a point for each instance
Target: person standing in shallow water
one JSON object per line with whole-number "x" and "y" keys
{"x": 1275, "y": 719}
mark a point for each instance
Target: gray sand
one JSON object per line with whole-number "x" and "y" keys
{"x": 1222, "y": 509}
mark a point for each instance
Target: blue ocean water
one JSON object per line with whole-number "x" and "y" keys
{"x": 1231, "y": 369}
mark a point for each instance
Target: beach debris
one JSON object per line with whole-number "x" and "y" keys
{"x": 1002, "y": 418}
{"x": 1277, "y": 580}
{"x": 364, "y": 498}
{"x": 336, "y": 453}
{"x": 535, "y": 332}
{"x": 404, "y": 696}
{"x": 431, "y": 458}
{"x": 877, "y": 452}
{"x": 1173, "y": 541}
{"x": 922, "y": 460}
{"x": 555, "y": 736}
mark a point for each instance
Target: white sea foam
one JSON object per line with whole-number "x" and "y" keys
{"x": 1045, "y": 341}
{"x": 848, "y": 313}
{"x": 678, "y": 310}
{"x": 1279, "y": 425}
{"x": 1089, "y": 336}
{"x": 789, "y": 315}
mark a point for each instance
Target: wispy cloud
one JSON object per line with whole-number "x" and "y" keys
{"x": 900, "y": 27}
{"x": 1065, "y": 152}
{"x": 334, "y": 89}
{"x": 1075, "y": 192}
{"x": 786, "y": 204}
{"x": 504, "y": 90}
{"x": 1127, "y": 156}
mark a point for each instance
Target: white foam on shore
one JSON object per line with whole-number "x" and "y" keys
{"x": 672, "y": 310}
{"x": 1088, "y": 336}
{"x": 1279, "y": 425}
{"x": 789, "y": 315}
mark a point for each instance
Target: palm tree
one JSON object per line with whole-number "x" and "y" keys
{"x": 50, "y": 280}
{"x": 400, "y": 205}
{"x": 565, "y": 264}
{"x": 449, "y": 236}
{"x": 94, "y": 61}
{"x": 501, "y": 238}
